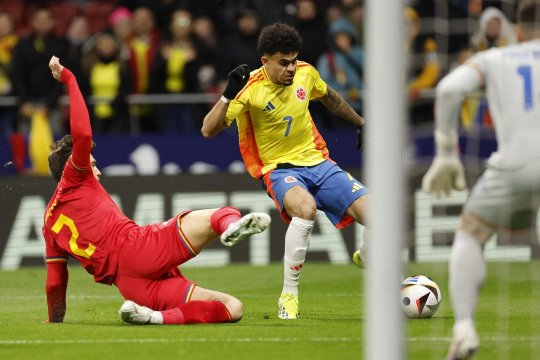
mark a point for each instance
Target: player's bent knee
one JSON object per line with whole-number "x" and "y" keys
{"x": 304, "y": 211}
{"x": 476, "y": 227}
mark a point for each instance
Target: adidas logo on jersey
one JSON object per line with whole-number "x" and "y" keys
{"x": 269, "y": 107}
{"x": 356, "y": 187}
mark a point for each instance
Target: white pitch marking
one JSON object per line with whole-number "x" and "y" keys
{"x": 486, "y": 338}
{"x": 247, "y": 340}
{"x": 114, "y": 297}
{"x": 179, "y": 340}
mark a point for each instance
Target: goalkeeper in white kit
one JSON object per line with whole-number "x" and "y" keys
{"x": 511, "y": 183}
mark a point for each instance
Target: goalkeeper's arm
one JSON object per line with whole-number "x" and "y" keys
{"x": 446, "y": 171}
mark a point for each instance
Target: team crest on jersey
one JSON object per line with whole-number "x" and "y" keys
{"x": 301, "y": 94}
{"x": 290, "y": 179}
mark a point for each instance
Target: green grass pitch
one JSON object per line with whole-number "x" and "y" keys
{"x": 331, "y": 325}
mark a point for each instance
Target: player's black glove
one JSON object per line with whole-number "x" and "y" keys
{"x": 359, "y": 138}
{"x": 237, "y": 79}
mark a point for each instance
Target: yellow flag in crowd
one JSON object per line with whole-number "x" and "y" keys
{"x": 39, "y": 143}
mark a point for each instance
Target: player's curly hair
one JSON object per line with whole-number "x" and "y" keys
{"x": 280, "y": 38}
{"x": 60, "y": 152}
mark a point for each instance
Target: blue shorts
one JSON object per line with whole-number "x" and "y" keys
{"x": 334, "y": 190}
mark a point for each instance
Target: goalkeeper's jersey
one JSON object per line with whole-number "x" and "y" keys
{"x": 274, "y": 123}
{"x": 512, "y": 77}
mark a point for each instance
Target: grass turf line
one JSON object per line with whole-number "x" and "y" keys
{"x": 330, "y": 327}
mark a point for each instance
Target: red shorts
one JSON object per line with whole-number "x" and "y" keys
{"x": 148, "y": 266}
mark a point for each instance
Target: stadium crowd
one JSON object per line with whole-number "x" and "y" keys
{"x": 140, "y": 47}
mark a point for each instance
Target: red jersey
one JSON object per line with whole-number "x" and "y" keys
{"x": 83, "y": 221}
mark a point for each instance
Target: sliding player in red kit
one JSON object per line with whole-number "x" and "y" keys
{"x": 82, "y": 221}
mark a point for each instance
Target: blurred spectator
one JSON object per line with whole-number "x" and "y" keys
{"x": 175, "y": 70}
{"x": 38, "y": 92}
{"x": 424, "y": 68}
{"x": 355, "y": 14}
{"x": 77, "y": 33}
{"x": 353, "y": 10}
{"x": 143, "y": 45}
{"x": 8, "y": 40}
{"x": 341, "y": 67}
{"x": 203, "y": 28}
{"x": 106, "y": 77}
{"x": 240, "y": 45}
{"x": 162, "y": 9}
{"x": 462, "y": 56}
{"x": 310, "y": 25}
{"x": 495, "y": 31}
{"x": 31, "y": 75}
{"x": 120, "y": 25}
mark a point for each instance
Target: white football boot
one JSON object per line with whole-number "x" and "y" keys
{"x": 465, "y": 341}
{"x": 250, "y": 224}
{"x": 132, "y": 313}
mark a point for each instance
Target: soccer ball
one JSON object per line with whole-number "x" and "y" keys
{"x": 420, "y": 297}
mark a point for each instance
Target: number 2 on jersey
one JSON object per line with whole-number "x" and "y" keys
{"x": 59, "y": 224}
{"x": 289, "y": 119}
{"x": 526, "y": 72}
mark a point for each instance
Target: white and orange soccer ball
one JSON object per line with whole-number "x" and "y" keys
{"x": 420, "y": 297}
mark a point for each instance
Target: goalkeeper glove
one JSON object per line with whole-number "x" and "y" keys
{"x": 446, "y": 173}
{"x": 237, "y": 79}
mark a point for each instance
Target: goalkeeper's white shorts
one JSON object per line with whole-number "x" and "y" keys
{"x": 507, "y": 198}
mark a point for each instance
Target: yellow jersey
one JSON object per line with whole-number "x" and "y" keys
{"x": 274, "y": 123}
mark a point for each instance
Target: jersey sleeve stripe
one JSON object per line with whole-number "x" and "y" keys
{"x": 251, "y": 81}
{"x": 319, "y": 142}
{"x": 250, "y": 150}
{"x": 79, "y": 168}
{"x": 55, "y": 259}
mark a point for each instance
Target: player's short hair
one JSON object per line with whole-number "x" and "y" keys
{"x": 528, "y": 15}
{"x": 280, "y": 38}
{"x": 60, "y": 152}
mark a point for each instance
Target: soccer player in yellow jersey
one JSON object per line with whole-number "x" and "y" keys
{"x": 281, "y": 146}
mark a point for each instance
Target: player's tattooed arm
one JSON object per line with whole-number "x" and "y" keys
{"x": 335, "y": 103}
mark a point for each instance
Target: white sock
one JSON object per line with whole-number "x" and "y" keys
{"x": 296, "y": 246}
{"x": 364, "y": 244}
{"x": 467, "y": 274}
{"x": 156, "y": 318}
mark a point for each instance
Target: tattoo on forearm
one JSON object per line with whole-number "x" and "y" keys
{"x": 335, "y": 103}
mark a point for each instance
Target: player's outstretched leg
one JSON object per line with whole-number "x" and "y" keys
{"x": 465, "y": 341}
{"x": 133, "y": 313}
{"x": 193, "y": 312}
{"x": 248, "y": 225}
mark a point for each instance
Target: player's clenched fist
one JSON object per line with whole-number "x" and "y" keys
{"x": 56, "y": 68}
{"x": 237, "y": 79}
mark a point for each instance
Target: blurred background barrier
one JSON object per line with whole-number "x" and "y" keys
{"x": 173, "y": 153}
{"x": 149, "y": 199}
